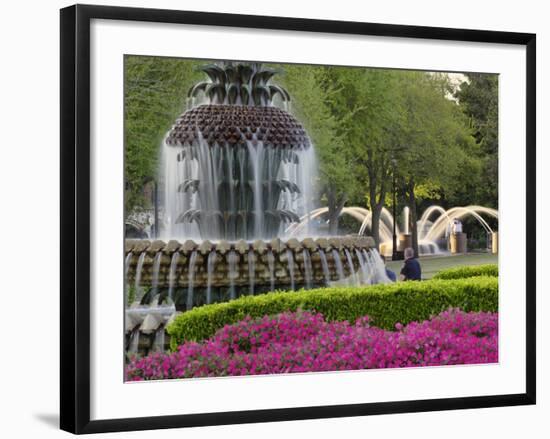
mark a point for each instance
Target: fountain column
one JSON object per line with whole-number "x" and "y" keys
{"x": 494, "y": 243}
{"x": 405, "y": 240}
{"x": 459, "y": 242}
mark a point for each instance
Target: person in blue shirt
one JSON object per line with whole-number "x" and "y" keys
{"x": 411, "y": 268}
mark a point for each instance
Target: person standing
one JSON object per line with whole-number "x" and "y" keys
{"x": 458, "y": 226}
{"x": 411, "y": 267}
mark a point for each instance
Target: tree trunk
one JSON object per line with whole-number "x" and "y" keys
{"x": 375, "y": 223}
{"x": 413, "y": 217}
{"x": 335, "y": 205}
{"x": 333, "y": 216}
{"x": 377, "y": 200}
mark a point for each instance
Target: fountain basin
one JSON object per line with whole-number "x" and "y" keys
{"x": 258, "y": 263}
{"x": 174, "y": 276}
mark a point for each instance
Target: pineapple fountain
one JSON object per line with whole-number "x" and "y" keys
{"x": 237, "y": 172}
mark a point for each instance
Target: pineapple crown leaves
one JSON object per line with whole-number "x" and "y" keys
{"x": 240, "y": 83}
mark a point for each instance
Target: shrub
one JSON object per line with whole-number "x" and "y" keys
{"x": 468, "y": 271}
{"x": 305, "y": 342}
{"x": 385, "y": 304}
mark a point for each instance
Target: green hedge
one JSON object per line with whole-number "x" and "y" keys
{"x": 468, "y": 271}
{"x": 386, "y": 304}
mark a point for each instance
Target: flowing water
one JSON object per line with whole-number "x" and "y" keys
{"x": 271, "y": 267}
{"x": 156, "y": 270}
{"x": 324, "y": 265}
{"x": 339, "y": 266}
{"x": 290, "y": 262}
{"x": 232, "y": 266}
{"x": 406, "y": 214}
{"x": 139, "y": 271}
{"x": 363, "y": 265}
{"x": 173, "y": 276}
{"x": 159, "y": 341}
{"x": 353, "y": 275}
{"x": 251, "y": 271}
{"x": 308, "y": 269}
{"x": 127, "y": 264}
{"x": 133, "y": 346}
{"x": 377, "y": 268}
{"x": 127, "y": 261}
{"x": 229, "y": 192}
{"x": 210, "y": 264}
{"x": 369, "y": 278}
{"x": 190, "y": 297}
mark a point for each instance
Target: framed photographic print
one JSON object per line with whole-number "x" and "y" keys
{"x": 268, "y": 218}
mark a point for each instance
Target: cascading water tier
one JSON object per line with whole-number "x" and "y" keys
{"x": 189, "y": 274}
{"x": 235, "y": 172}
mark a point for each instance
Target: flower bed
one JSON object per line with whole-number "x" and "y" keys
{"x": 386, "y": 304}
{"x": 305, "y": 342}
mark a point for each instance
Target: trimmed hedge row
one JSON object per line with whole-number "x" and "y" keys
{"x": 386, "y": 304}
{"x": 468, "y": 271}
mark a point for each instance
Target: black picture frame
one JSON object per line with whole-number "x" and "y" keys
{"x": 75, "y": 217}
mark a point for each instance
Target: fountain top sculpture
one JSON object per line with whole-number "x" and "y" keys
{"x": 239, "y": 109}
{"x": 239, "y": 84}
{"x": 237, "y": 124}
{"x": 236, "y": 167}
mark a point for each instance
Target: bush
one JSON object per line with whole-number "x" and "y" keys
{"x": 385, "y": 304}
{"x": 305, "y": 342}
{"x": 468, "y": 271}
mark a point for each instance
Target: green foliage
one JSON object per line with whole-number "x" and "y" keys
{"x": 365, "y": 118}
{"x": 434, "y": 130}
{"x": 367, "y": 106}
{"x": 468, "y": 271}
{"x": 130, "y": 294}
{"x": 437, "y": 141}
{"x": 478, "y": 99}
{"x": 310, "y": 94}
{"x": 154, "y": 96}
{"x": 387, "y": 305}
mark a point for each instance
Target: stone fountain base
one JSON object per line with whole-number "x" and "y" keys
{"x": 168, "y": 277}
{"x": 253, "y": 265}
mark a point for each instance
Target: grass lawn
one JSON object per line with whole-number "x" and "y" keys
{"x": 433, "y": 264}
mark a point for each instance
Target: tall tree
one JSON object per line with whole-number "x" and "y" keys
{"x": 435, "y": 137}
{"x": 478, "y": 98}
{"x": 366, "y": 106}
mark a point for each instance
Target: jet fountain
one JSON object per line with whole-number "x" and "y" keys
{"x": 430, "y": 233}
